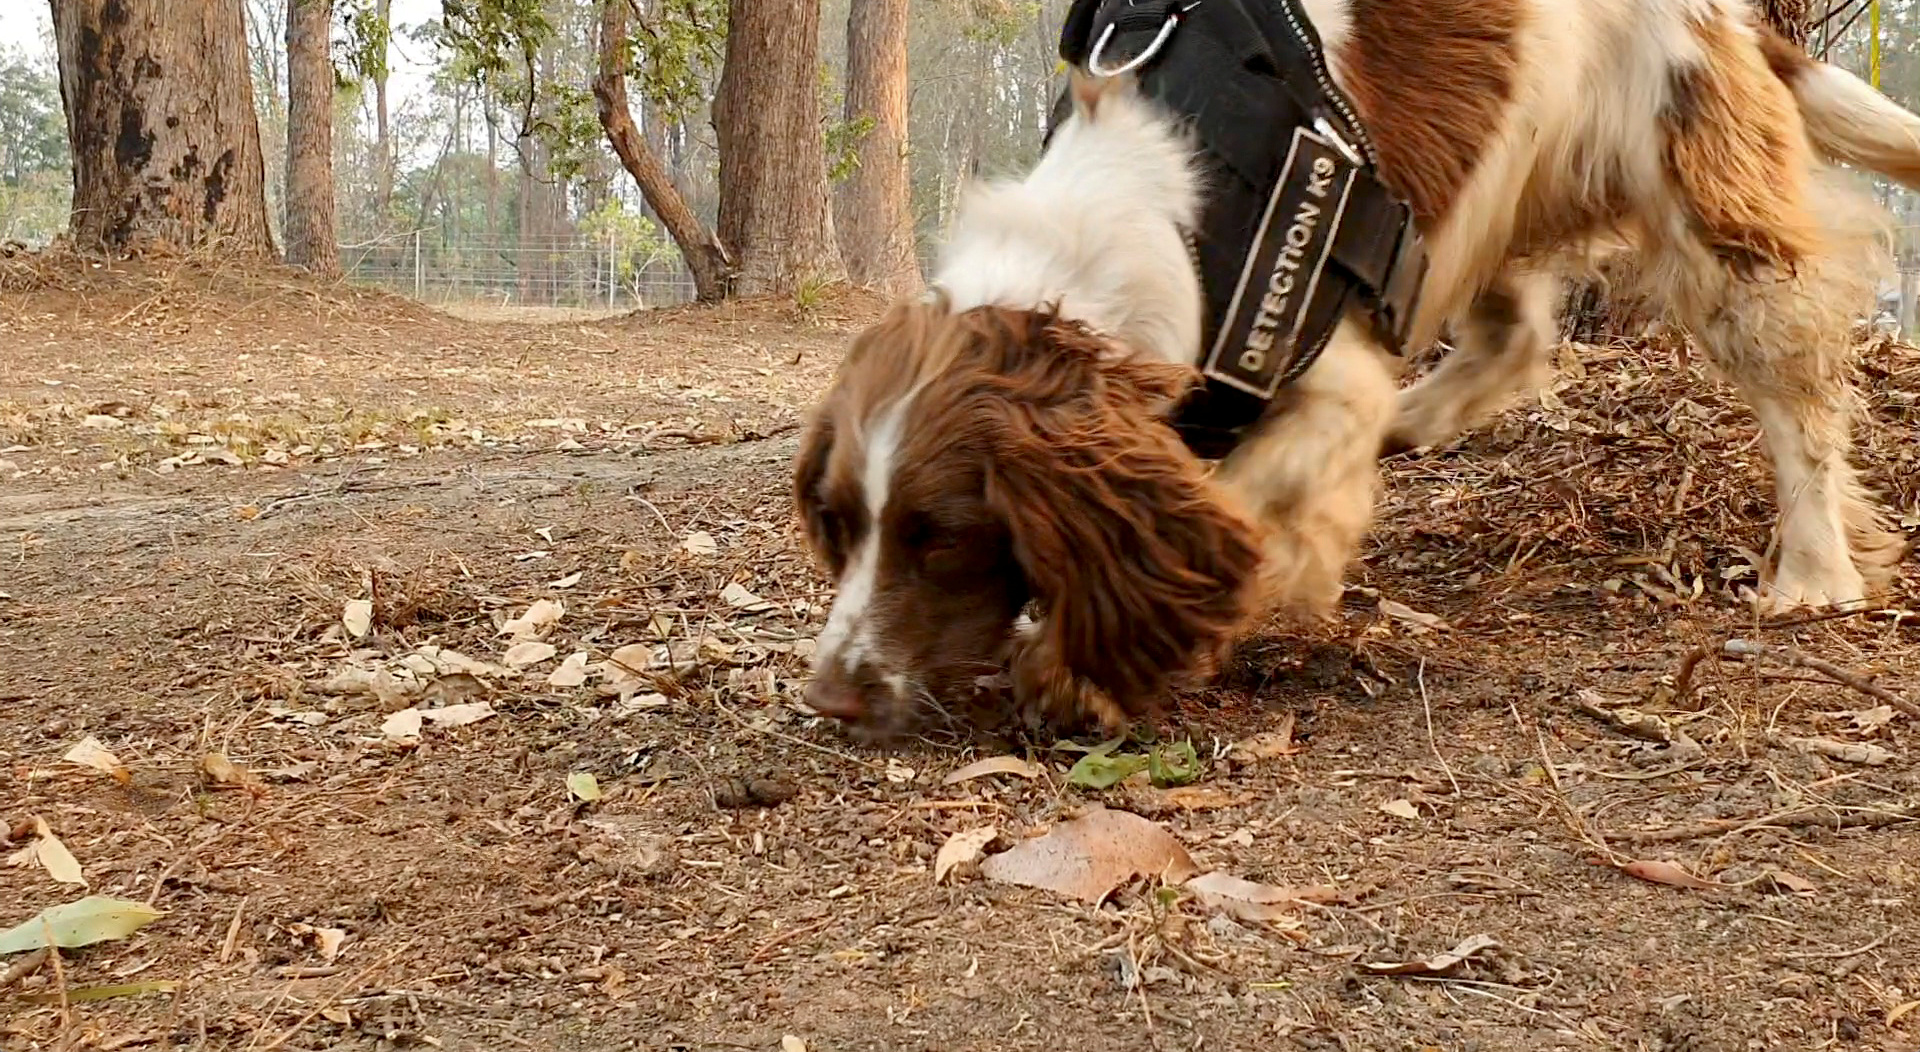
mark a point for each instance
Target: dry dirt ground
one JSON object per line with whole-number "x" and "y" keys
{"x": 202, "y": 472}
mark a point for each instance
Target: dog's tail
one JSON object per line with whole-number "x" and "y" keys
{"x": 1845, "y": 117}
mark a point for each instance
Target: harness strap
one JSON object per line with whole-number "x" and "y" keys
{"x": 1297, "y": 235}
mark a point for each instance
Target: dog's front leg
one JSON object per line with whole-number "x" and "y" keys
{"x": 1311, "y": 473}
{"x": 1500, "y": 353}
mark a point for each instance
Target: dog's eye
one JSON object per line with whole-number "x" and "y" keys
{"x": 931, "y": 542}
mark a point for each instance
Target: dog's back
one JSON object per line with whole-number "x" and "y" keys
{"x": 1526, "y": 127}
{"x": 1094, "y": 227}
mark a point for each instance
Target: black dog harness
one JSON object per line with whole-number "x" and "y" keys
{"x": 1296, "y": 229}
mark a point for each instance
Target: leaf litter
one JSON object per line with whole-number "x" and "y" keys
{"x": 962, "y": 849}
{"x": 542, "y": 615}
{"x": 90, "y": 753}
{"x": 47, "y": 852}
{"x": 1443, "y": 965}
{"x": 993, "y": 765}
{"x": 356, "y": 618}
{"x": 1250, "y": 901}
{"x": 1090, "y": 856}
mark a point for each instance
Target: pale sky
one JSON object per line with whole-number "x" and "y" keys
{"x": 24, "y": 23}
{"x": 21, "y": 24}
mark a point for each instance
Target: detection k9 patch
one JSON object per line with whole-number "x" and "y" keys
{"x": 1261, "y": 333}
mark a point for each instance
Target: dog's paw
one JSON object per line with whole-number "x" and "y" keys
{"x": 1050, "y": 698}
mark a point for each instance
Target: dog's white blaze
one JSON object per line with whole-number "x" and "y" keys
{"x": 848, "y": 637}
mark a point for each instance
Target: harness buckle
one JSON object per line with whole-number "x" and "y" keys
{"x": 1175, "y": 12}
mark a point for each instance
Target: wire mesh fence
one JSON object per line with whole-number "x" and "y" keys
{"x": 561, "y": 270}
{"x": 577, "y": 270}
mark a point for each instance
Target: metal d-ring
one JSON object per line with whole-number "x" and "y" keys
{"x": 1159, "y": 41}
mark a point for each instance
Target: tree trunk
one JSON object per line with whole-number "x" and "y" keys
{"x": 527, "y": 265}
{"x": 705, "y": 258}
{"x": 774, "y": 212}
{"x": 875, "y": 217}
{"x": 493, "y": 169}
{"x": 310, "y": 223}
{"x": 382, "y": 135}
{"x": 166, "y": 146}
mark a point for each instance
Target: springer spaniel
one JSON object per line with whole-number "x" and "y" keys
{"x": 1004, "y": 440}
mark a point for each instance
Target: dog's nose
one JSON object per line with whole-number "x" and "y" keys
{"x": 833, "y": 696}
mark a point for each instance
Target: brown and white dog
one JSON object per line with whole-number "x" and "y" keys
{"x": 1004, "y": 441}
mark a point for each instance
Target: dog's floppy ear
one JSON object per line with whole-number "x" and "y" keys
{"x": 1144, "y": 570}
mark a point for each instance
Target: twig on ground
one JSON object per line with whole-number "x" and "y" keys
{"x": 1790, "y": 656}
{"x": 1420, "y": 677}
{"x": 23, "y": 967}
{"x": 1828, "y": 955}
{"x": 233, "y": 930}
{"x": 333, "y": 998}
{"x": 1794, "y": 818}
{"x": 1846, "y": 752}
{"x": 1683, "y": 677}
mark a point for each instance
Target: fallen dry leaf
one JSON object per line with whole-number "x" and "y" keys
{"x": 542, "y": 615}
{"x": 90, "y": 753}
{"x": 327, "y": 940}
{"x": 1255, "y": 902}
{"x": 569, "y": 673}
{"x": 1093, "y": 854}
{"x": 458, "y": 715}
{"x": 1440, "y": 963}
{"x": 1402, "y": 809}
{"x": 1791, "y": 882}
{"x": 790, "y": 1043}
{"x": 1899, "y": 1012}
{"x": 223, "y": 771}
{"x": 402, "y": 726}
{"x": 628, "y": 663}
{"x": 700, "y": 543}
{"x": 737, "y": 596}
{"x": 1013, "y": 765}
{"x": 49, "y": 854}
{"x": 961, "y": 849}
{"x": 528, "y": 652}
{"x": 1419, "y": 619}
{"x": 1870, "y": 721}
{"x": 566, "y": 582}
{"x": 372, "y": 682}
{"x": 357, "y": 618}
{"x": 1659, "y": 872}
{"x": 1268, "y": 745}
{"x": 584, "y": 787}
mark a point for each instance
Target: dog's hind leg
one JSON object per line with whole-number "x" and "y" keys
{"x": 1311, "y": 473}
{"x": 1500, "y": 352}
{"x": 1784, "y": 343}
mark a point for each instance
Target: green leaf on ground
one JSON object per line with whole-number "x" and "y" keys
{"x": 1176, "y": 764}
{"x": 96, "y": 918}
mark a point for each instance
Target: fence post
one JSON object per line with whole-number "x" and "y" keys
{"x": 419, "y": 278}
{"x": 613, "y": 262}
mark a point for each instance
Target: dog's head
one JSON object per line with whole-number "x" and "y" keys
{"x": 966, "y": 463}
